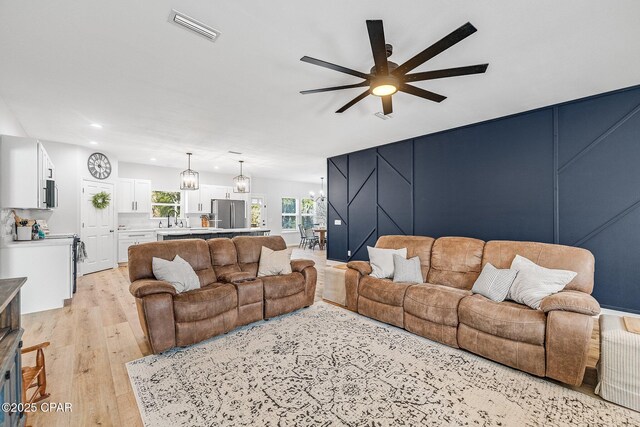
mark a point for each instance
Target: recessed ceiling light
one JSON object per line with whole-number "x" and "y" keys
{"x": 153, "y": 159}
{"x": 96, "y": 125}
{"x": 93, "y": 143}
{"x": 216, "y": 167}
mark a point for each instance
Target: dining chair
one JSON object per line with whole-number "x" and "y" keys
{"x": 303, "y": 237}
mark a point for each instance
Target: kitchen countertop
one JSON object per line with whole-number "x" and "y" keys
{"x": 42, "y": 242}
{"x": 178, "y": 231}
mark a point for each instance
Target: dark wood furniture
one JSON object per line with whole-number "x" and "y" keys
{"x": 323, "y": 236}
{"x": 10, "y": 344}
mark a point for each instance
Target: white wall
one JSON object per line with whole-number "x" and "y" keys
{"x": 9, "y": 124}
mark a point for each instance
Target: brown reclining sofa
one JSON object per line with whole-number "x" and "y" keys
{"x": 230, "y": 294}
{"x": 552, "y": 341}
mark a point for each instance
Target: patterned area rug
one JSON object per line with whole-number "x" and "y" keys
{"x": 327, "y": 366}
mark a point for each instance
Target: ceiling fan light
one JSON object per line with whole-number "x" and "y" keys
{"x": 384, "y": 86}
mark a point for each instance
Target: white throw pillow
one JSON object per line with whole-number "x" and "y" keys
{"x": 533, "y": 282}
{"x": 381, "y": 261}
{"x": 177, "y": 272}
{"x": 274, "y": 263}
{"x": 494, "y": 283}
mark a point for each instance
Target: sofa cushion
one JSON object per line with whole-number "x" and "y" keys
{"x": 204, "y": 303}
{"x": 224, "y": 257}
{"x": 501, "y": 253}
{"x": 503, "y": 319}
{"x": 177, "y": 272}
{"x": 494, "y": 283}
{"x": 282, "y": 286}
{"x": 456, "y": 262}
{"x": 381, "y": 261}
{"x": 274, "y": 263}
{"x": 419, "y": 246}
{"x": 194, "y": 251}
{"x": 383, "y": 291}
{"x": 407, "y": 270}
{"x": 533, "y": 283}
{"x": 435, "y": 303}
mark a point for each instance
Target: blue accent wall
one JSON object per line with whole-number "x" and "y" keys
{"x": 567, "y": 173}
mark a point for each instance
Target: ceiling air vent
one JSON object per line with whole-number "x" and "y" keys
{"x": 383, "y": 116}
{"x": 193, "y": 25}
{"x": 234, "y": 152}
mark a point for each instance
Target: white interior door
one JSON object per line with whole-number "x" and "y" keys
{"x": 97, "y": 228}
{"x": 258, "y": 211}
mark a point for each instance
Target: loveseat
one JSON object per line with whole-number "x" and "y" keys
{"x": 230, "y": 294}
{"x": 552, "y": 341}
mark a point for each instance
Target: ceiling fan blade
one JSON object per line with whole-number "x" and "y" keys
{"x": 378, "y": 48}
{"x": 335, "y": 67}
{"x": 355, "y": 100}
{"x": 421, "y": 93}
{"x": 449, "y": 72}
{"x": 438, "y": 47}
{"x": 328, "y": 89}
{"x": 387, "y": 105}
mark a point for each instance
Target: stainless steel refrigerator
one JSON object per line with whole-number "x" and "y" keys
{"x": 229, "y": 213}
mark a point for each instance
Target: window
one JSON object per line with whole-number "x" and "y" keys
{"x": 163, "y": 203}
{"x": 289, "y": 214}
{"x": 307, "y": 212}
{"x": 256, "y": 212}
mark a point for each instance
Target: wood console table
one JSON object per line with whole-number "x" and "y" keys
{"x": 10, "y": 344}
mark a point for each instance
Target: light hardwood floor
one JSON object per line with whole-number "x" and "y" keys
{"x": 91, "y": 340}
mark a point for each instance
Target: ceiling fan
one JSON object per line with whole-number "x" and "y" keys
{"x": 386, "y": 78}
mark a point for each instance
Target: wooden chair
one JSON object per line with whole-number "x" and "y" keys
{"x": 35, "y": 376}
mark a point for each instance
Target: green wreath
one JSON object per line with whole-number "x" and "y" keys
{"x": 101, "y": 200}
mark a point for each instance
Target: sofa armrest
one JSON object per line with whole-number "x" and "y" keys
{"x": 300, "y": 264}
{"x": 575, "y": 301}
{"x": 236, "y": 277}
{"x": 144, "y": 287}
{"x": 362, "y": 267}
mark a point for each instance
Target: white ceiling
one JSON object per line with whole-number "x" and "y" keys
{"x": 160, "y": 91}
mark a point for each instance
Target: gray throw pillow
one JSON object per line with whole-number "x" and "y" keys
{"x": 494, "y": 283}
{"x": 406, "y": 270}
{"x": 177, "y": 272}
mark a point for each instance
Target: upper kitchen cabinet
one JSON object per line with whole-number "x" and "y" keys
{"x": 27, "y": 174}
{"x": 199, "y": 201}
{"x": 134, "y": 195}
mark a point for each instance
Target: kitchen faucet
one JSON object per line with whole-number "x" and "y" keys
{"x": 169, "y": 217}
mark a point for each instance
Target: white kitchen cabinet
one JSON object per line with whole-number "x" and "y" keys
{"x": 127, "y": 239}
{"x": 134, "y": 195}
{"x": 48, "y": 266}
{"x": 25, "y": 167}
{"x": 199, "y": 201}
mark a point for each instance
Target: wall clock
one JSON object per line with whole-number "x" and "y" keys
{"x": 99, "y": 166}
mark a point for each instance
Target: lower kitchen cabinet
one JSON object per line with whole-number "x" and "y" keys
{"x": 126, "y": 239}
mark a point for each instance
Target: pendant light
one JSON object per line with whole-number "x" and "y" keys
{"x": 321, "y": 197}
{"x": 241, "y": 183}
{"x": 189, "y": 179}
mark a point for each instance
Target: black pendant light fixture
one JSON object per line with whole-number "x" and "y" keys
{"x": 241, "y": 183}
{"x": 189, "y": 179}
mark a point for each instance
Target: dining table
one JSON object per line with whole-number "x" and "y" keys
{"x": 322, "y": 236}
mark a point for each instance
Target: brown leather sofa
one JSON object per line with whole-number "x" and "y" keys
{"x": 230, "y": 294}
{"x": 552, "y": 341}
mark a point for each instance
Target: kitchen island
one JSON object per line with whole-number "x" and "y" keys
{"x": 209, "y": 233}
